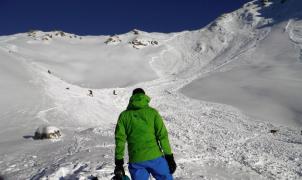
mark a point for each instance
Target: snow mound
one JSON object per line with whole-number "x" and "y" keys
{"x": 47, "y": 132}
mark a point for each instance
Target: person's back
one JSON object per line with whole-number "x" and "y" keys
{"x": 147, "y": 137}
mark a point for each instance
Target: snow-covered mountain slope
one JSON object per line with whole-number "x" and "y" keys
{"x": 265, "y": 81}
{"x": 248, "y": 60}
{"x": 87, "y": 61}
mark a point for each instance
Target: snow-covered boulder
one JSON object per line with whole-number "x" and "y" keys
{"x": 47, "y": 132}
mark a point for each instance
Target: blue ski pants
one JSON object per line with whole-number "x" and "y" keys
{"x": 157, "y": 167}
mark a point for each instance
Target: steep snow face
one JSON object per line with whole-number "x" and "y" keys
{"x": 192, "y": 53}
{"x": 265, "y": 81}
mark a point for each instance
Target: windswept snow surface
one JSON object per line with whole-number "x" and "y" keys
{"x": 248, "y": 60}
{"x": 267, "y": 81}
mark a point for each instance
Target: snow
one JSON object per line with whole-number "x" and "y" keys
{"x": 47, "y": 132}
{"x": 113, "y": 40}
{"x": 47, "y": 129}
{"x": 220, "y": 89}
{"x": 266, "y": 84}
{"x": 84, "y": 61}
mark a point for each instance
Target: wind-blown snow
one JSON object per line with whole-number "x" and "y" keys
{"x": 243, "y": 69}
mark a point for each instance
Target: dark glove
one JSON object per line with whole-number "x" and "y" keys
{"x": 119, "y": 169}
{"x": 172, "y": 165}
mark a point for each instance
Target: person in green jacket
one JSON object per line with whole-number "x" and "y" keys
{"x": 142, "y": 127}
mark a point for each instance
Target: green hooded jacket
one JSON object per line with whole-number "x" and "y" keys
{"x": 143, "y": 129}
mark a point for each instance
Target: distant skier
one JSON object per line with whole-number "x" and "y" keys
{"x": 90, "y": 93}
{"x": 147, "y": 137}
{"x": 49, "y": 72}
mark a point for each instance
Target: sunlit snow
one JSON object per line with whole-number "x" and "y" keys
{"x": 230, "y": 94}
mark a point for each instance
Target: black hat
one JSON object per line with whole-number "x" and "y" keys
{"x": 138, "y": 90}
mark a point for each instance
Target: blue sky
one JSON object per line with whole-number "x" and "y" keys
{"x": 104, "y": 17}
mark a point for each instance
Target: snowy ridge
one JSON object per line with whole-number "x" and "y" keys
{"x": 294, "y": 28}
{"x": 50, "y": 82}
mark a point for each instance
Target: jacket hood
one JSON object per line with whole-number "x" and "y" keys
{"x": 138, "y": 101}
